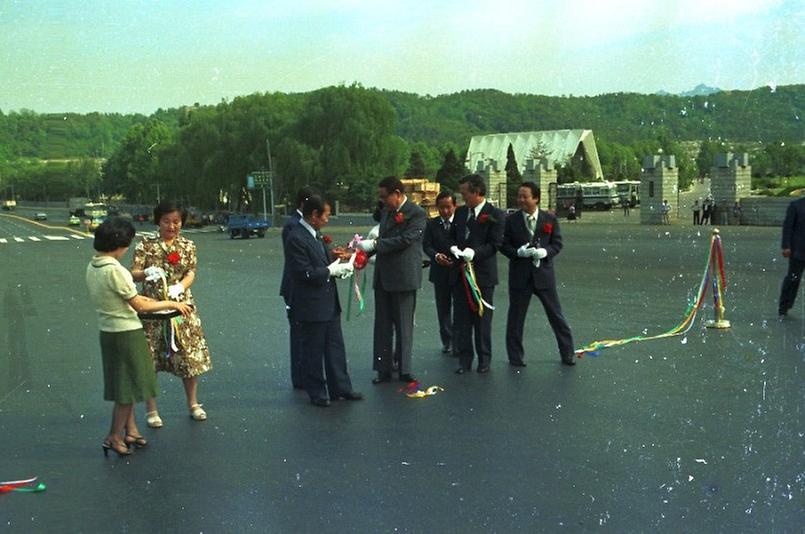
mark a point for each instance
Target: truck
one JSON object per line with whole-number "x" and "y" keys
{"x": 246, "y": 226}
{"x": 9, "y": 205}
{"x": 76, "y": 203}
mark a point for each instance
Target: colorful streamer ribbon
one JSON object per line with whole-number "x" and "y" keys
{"x": 358, "y": 260}
{"x": 475, "y": 300}
{"x": 412, "y": 390}
{"x": 713, "y": 275}
{"x": 22, "y": 486}
{"x": 170, "y": 327}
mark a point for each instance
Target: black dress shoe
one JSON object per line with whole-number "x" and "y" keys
{"x": 517, "y": 364}
{"x": 351, "y": 396}
{"x": 407, "y": 378}
{"x": 483, "y": 370}
{"x": 568, "y": 360}
{"x": 380, "y": 378}
{"x": 461, "y": 370}
{"x": 323, "y": 403}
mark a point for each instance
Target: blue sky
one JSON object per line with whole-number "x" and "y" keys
{"x": 137, "y": 56}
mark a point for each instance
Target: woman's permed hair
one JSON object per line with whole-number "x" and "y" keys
{"x": 112, "y": 234}
{"x": 169, "y": 206}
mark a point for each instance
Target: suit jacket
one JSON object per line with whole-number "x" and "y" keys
{"x": 285, "y": 286}
{"x": 522, "y": 273}
{"x": 485, "y": 237}
{"x": 794, "y": 229}
{"x": 435, "y": 240}
{"x": 398, "y": 266}
{"x": 315, "y": 295}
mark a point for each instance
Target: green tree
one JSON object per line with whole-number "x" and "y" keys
{"x": 416, "y": 166}
{"x": 451, "y": 171}
{"x": 513, "y": 177}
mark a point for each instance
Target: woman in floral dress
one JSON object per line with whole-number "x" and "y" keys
{"x": 166, "y": 265}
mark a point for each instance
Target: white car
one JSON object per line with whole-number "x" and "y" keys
{"x": 74, "y": 220}
{"x": 41, "y": 217}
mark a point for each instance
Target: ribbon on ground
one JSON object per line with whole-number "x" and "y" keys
{"x": 22, "y": 486}
{"x": 475, "y": 300}
{"x": 412, "y": 390}
{"x": 713, "y": 274}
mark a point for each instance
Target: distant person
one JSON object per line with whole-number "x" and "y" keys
{"x": 316, "y": 307}
{"x": 286, "y": 288}
{"x": 531, "y": 240}
{"x": 128, "y": 370}
{"x": 666, "y": 212}
{"x": 794, "y": 249}
{"x": 571, "y": 213}
{"x": 579, "y": 203}
{"x": 696, "y": 210}
{"x": 737, "y": 212}
{"x": 625, "y": 205}
{"x": 166, "y": 265}
{"x": 714, "y": 211}
{"x": 705, "y": 212}
{"x": 436, "y": 245}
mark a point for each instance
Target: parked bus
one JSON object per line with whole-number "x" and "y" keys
{"x": 593, "y": 195}
{"x": 628, "y": 190}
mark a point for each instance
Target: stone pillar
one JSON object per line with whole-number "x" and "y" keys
{"x": 659, "y": 180}
{"x": 543, "y": 173}
{"x": 730, "y": 181}
{"x": 495, "y": 180}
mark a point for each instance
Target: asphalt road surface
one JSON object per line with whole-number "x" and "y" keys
{"x": 701, "y": 433}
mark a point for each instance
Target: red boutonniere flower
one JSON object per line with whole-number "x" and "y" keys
{"x": 327, "y": 239}
{"x": 547, "y": 228}
{"x": 173, "y": 258}
{"x": 483, "y": 218}
{"x": 399, "y": 217}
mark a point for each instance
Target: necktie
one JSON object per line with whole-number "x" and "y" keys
{"x": 470, "y": 220}
{"x": 532, "y": 224}
{"x": 446, "y": 225}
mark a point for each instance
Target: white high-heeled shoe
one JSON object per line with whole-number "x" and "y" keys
{"x": 153, "y": 419}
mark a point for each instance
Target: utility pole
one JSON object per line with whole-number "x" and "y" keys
{"x": 270, "y": 184}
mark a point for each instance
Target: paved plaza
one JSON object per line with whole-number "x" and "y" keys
{"x": 700, "y": 433}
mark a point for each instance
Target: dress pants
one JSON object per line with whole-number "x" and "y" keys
{"x": 444, "y": 310}
{"x": 788, "y": 293}
{"x": 468, "y": 323}
{"x": 323, "y": 342}
{"x": 519, "y": 299}
{"x": 296, "y": 352}
{"x": 394, "y": 316}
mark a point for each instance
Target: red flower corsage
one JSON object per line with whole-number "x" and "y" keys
{"x": 361, "y": 259}
{"x": 327, "y": 239}
{"x": 173, "y": 258}
{"x": 483, "y": 218}
{"x": 547, "y": 228}
{"x": 399, "y": 217}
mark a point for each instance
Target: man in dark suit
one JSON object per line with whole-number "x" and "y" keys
{"x": 286, "y": 287}
{"x": 397, "y": 277}
{"x": 531, "y": 239}
{"x": 316, "y": 308}
{"x": 436, "y": 245}
{"x": 477, "y": 234}
{"x": 794, "y": 250}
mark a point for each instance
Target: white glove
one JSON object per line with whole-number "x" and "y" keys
{"x": 152, "y": 274}
{"x": 175, "y": 291}
{"x": 340, "y": 269}
{"x": 455, "y": 251}
{"x": 524, "y": 251}
{"x": 349, "y": 270}
{"x": 468, "y": 254}
{"x": 366, "y": 245}
{"x": 540, "y": 253}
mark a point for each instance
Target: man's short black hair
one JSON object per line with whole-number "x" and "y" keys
{"x": 169, "y": 206}
{"x": 535, "y": 192}
{"x": 313, "y": 203}
{"x": 112, "y": 234}
{"x": 304, "y": 192}
{"x": 475, "y": 184}
{"x": 446, "y": 194}
{"x": 391, "y": 184}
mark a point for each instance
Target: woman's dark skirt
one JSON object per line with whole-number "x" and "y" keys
{"x": 128, "y": 370}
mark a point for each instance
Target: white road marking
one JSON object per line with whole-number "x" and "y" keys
{"x": 77, "y": 236}
{"x": 3, "y": 240}
{"x": 19, "y": 240}
{"x": 56, "y": 238}
{"x": 32, "y": 238}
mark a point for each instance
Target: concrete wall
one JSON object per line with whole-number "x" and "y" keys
{"x": 764, "y": 211}
{"x": 496, "y": 181}
{"x": 543, "y": 174}
{"x": 730, "y": 181}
